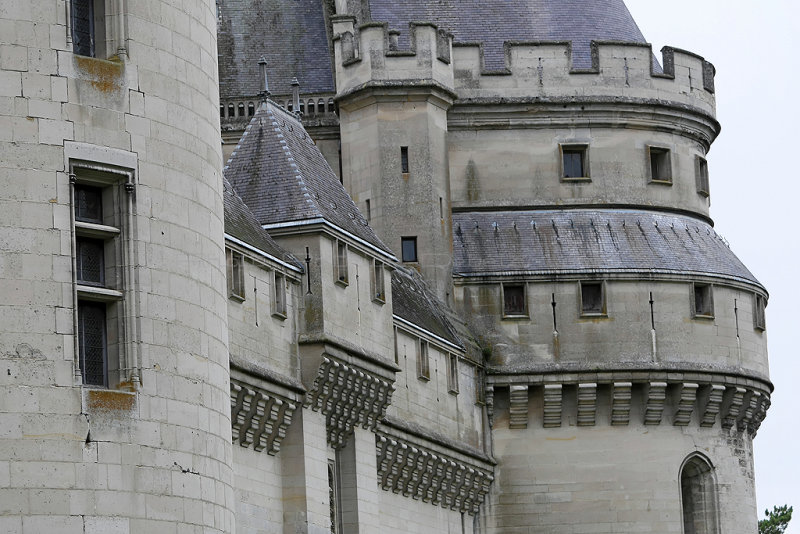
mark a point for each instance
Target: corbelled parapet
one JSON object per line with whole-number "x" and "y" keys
{"x": 368, "y": 56}
{"x": 620, "y": 70}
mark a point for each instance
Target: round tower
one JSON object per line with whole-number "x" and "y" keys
{"x": 115, "y": 410}
{"x": 625, "y": 342}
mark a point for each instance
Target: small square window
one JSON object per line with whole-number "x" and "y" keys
{"x": 378, "y": 291}
{"x": 90, "y": 261}
{"x": 593, "y": 299}
{"x": 423, "y": 365}
{"x": 574, "y": 162}
{"x": 703, "y": 300}
{"x": 701, "y": 170}
{"x": 340, "y": 266}
{"x": 759, "y": 312}
{"x": 452, "y": 373}
{"x": 279, "y": 300}
{"x": 88, "y": 204}
{"x": 235, "y": 271}
{"x": 404, "y": 159}
{"x": 660, "y": 164}
{"x": 514, "y": 300}
{"x": 409, "y": 248}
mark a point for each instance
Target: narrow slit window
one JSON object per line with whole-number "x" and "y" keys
{"x": 423, "y": 364}
{"x": 480, "y": 386}
{"x": 660, "y": 165}
{"x": 369, "y": 211}
{"x": 574, "y": 162}
{"x": 378, "y": 291}
{"x": 452, "y": 373}
{"x": 759, "y": 312}
{"x": 592, "y": 298}
{"x": 241, "y": 109}
{"x": 341, "y": 262}
{"x": 231, "y": 111}
{"x": 251, "y": 109}
{"x": 92, "y": 343}
{"x": 279, "y": 300}
{"x": 703, "y": 299}
{"x": 701, "y": 169}
{"x": 404, "y": 159}
{"x": 408, "y": 247}
{"x": 235, "y": 272}
{"x": 514, "y": 299}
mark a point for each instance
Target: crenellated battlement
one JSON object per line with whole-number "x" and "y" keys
{"x": 370, "y": 55}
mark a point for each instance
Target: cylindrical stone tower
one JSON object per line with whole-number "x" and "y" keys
{"x": 114, "y": 405}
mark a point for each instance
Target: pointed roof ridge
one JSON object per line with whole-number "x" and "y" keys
{"x": 284, "y": 179}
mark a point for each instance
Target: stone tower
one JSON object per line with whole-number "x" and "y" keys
{"x": 624, "y": 341}
{"x": 115, "y": 407}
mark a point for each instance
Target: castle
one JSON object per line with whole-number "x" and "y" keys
{"x": 451, "y": 269}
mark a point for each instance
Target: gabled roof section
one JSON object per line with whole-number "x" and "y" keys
{"x": 414, "y": 302}
{"x": 241, "y": 224}
{"x": 492, "y": 22}
{"x": 290, "y": 34}
{"x": 283, "y": 177}
{"x": 582, "y": 241}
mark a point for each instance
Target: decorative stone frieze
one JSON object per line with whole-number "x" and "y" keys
{"x": 587, "y": 404}
{"x": 518, "y": 407}
{"x": 621, "y": 403}
{"x": 713, "y": 405}
{"x": 553, "y": 396}
{"x": 421, "y": 473}
{"x": 348, "y": 396}
{"x": 656, "y": 395}
{"x": 258, "y": 417}
{"x": 685, "y": 404}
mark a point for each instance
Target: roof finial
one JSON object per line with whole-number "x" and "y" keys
{"x": 262, "y": 64}
{"x": 296, "y": 96}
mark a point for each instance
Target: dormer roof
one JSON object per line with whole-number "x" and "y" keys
{"x": 285, "y": 180}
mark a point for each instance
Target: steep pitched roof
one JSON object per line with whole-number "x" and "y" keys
{"x": 283, "y": 177}
{"x": 495, "y": 21}
{"x": 413, "y": 301}
{"x": 241, "y": 224}
{"x": 552, "y": 242}
{"x": 290, "y": 34}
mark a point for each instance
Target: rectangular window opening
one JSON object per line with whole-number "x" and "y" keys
{"x": 660, "y": 165}
{"x": 88, "y": 19}
{"x": 514, "y": 300}
{"x": 701, "y": 170}
{"x": 480, "y": 386}
{"x": 592, "y": 298}
{"x": 574, "y": 162}
{"x": 279, "y": 300}
{"x": 703, "y": 298}
{"x": 378, "y": 291}
{"x": 408, "y": 247}
{"x": 235, "y": 273}
{"x": 404, "y": 159}
{"x": 452, "y": 373}
{"x": 341, "y": 263}
{"x": 423, "y": 364}
{"x": 369, "y": 211}
{"x": 759, "y": 312}
{"x": 93, "y": 343}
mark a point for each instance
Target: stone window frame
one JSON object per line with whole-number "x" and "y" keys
{"x": 234, "y": 270}
{"x": 378, "y": 282}
{"x": 697, "y": 485}
{"x": 279, "y": 305}
{"x": 423, "y": 360}
{"x": 582, "y": 309}
{"x": 759, "y": 312}
{"x": 701, "y": 176}
{"x": 113, "y": 293}
{"x": 452, "y": 373}
{"x": 655, "y": 155}
{"x": 525, "y": 313}
{"x": 705, "y": 292}
{"x": 111, "y": 35}
{"x": 340, "y": 260}
{"x": 574, "y": 148}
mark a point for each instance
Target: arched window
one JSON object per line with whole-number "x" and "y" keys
{"x": 331, "y": 107}
{"x": 302, "y": 107}
{"x": 699, "y": 496}
{"x": 221, "y": 110}
{"x": 321, "y": 105}
{"x": 311, "y": 108}
{"x": 251, "y": 109}
{"x": 231, "y": 110}
{"x": 241, "y": 109}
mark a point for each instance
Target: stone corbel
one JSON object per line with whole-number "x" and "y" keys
{"x": 553, "y": 396}
{"x": 685, "y": 404}
{"x": 713, "y": 405}
{"x": 656, "y": 395}
{"x": 587, "y": 404}
{"x": 518, "y": 406}
{"x": 621, "y": 403}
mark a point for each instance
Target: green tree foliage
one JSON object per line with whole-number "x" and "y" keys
{"x": 776, "y": 521}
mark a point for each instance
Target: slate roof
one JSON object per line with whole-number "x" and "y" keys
{"x": 413, "y": 301}
{"x": 290, "y": 34}
{"x": 495, "y": 21}
{"x": 551, "y": 242}
{"x": 282, "y": 176}
{"x": 242, "y": 224}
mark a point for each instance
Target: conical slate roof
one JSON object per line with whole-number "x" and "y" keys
{"x": 282, "y": 176}
{"x": 241, "y": 224}
{"x": 495, "y": 21}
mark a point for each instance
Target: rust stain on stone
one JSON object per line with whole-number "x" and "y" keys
{"x": 121, "y": 401}
{"x": 104, "y": 75}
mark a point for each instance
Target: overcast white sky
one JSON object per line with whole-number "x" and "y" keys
{"x": 755, "y": 187}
